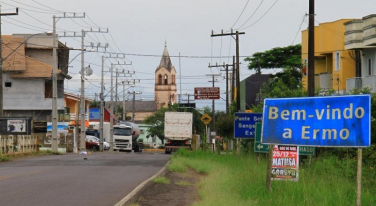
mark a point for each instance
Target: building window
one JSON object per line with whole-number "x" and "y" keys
{"x": 8, "y": 84}
{"x": 165, "y": 79}
{"x": 337, "y": 61}
{"x": 159, "y": 79}
{"x": 48, "y": 89}
{"x": 369, "y": 67}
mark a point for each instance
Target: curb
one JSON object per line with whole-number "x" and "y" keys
{"x": 131, "y": 195}
{"x": 153, "y": 150}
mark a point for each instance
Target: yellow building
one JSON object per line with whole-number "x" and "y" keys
{"x": 72, "y": 102}
{"x": 333, "y": 64}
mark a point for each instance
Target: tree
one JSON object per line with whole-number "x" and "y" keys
{"x": 282, "y": 84}
{"x": 279, "y": 57}
{"x": 225, "y": 126}
{"x": 157, "y": 121}
{"x": 95, "y": 104}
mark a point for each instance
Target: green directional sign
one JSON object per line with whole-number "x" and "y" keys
{"x": 264, "y": 148}
{"x": 307, "y": 150}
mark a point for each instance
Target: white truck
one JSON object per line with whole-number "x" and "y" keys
{"x": 177, "y": 130}
{"x": 125, "y": 137}
{"x": 95, "y": 126}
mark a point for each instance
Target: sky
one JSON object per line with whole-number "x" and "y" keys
{"x": 141, "y": 28}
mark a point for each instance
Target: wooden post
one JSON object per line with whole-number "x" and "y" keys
{"x": 269, "y": 169}
{"x": 359, "y": 179}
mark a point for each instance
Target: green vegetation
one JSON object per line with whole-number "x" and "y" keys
{"x": 279, "y": 57}
{"x": 4, "y": 158}
{"x": 157, "y": 121}
{"x": 10, "y": 156}
{"x": 183, "y": 183}
{"x": 238, "y": 180}
{"x": 161, "y": 180}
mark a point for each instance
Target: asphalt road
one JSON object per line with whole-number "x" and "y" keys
{"x": 54, "y": 180}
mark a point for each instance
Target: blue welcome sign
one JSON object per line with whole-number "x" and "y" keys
{"x": 245, "y": 124}
{"x": 334, "y": 121}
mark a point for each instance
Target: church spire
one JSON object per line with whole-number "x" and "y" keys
{"x": 165, "y": 60}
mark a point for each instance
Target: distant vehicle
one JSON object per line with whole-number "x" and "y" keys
{"x": 178, "y": 130}
{"x": 106, "y": 145}
{"x": 94, "y": 130}
{"x": 92, "y": 143}
{"x": 125, "y": 137}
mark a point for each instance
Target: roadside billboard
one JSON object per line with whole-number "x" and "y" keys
{"x": 285, "y": 163}
{"x": 15, "y": 125}
{"x": 333, "y": 121}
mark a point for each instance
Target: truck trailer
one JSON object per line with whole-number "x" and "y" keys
{"x": 125, "y": 137}
{"x": 177, "y": 131}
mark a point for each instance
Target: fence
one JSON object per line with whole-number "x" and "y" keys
{"x": 18, "y": 143}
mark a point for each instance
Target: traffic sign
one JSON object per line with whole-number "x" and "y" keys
{"x": 207, "y": 93}
{"x": 303, "y": 150}
{"x": 332, "y": 121}
{"x": 263, "y": 148}
{"x": 206, "y": 119}
{"x": 244, "y": 124}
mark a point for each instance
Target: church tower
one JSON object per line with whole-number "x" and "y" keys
{"x": 165, "y": 81}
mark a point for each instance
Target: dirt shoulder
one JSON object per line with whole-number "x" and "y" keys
{"x": 181, "y": 191}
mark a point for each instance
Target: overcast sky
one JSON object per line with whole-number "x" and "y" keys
{"x": 140, "y": 28}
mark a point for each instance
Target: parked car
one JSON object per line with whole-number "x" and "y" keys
{"x": 95, "y": 134}
{"x": 92, "y": 143}
{"x": 106, "y": 145}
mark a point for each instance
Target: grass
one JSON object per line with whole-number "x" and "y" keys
{"x": 161, "y": 180}
{"x": 4, "y": 158}
{"x": 183, "y": 183}
{"x": 10, "y": 156}
{"x": 238, "y": 180}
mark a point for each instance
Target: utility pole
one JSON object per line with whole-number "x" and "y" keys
{"x": 125, "y": 72}
{"x": 131, "y": 83}
{"x": 233, "y": 79}
{"x": 54, "y": 144}
{"x": 311, "y": 49}
{"x": 134, "y": 102}
{"x": 104, "y": 57}
{"x": 82, "y": 99}
{"x": 1, "y": 62}
{"x": 213, "y": 105}
{"x": 226, "y": 69}
{"x": 112, "y": 107}
{"x": 237, "y": 63}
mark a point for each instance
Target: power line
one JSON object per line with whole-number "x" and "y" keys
{"x": 29, "y": 9}
{"x": 52, "y": 9}
{"x": 254, "y": 12}
{"x": 261, "y": 16}
{"x": 30, "y": 6}
{"x": 300, "y": 27}
{"x": 240, "y": 14}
